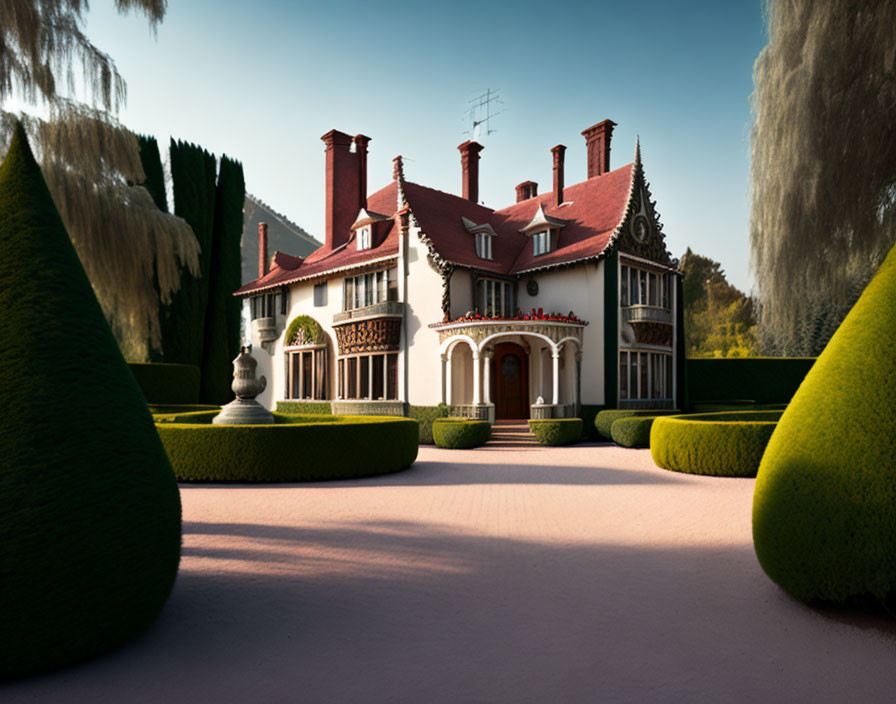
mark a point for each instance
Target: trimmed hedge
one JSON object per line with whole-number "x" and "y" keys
{"x": 824, "y": 509}
{"x": 633, "y": 431}
{"x": 460, "y": 433}
{"x": 305, "y": 407}
{"x": 759, "y": 379}
{"x": 556, "y": 431}
{"x": 714, "y": 444}
{"x": 604, "y": 420}
{"x": 167, "y": 383}
{"x": 89, "y": 509}
{"x": 425, "y": 415}
{"x": 297, "y": 448}
{"x": 166, "y": 410}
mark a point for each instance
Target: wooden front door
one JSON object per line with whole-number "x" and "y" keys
{"x": 510, "y": 379}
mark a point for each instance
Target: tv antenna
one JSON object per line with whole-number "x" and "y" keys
{"x": 480, "y": 111}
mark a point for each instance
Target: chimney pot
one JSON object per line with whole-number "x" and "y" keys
{"x": 262, "y": 249}
{"x": 469, "y": 162}
{"x": 559, "y": 152}
{"x": 526, "y": 190}
{"x": 361, "y": 143}
{"x": 597, "y": 142}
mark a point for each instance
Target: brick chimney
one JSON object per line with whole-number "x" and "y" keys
{"x": 526, "y": 190}
{"x": 597, "y": 141}
{"x": 262, "y": 249}
{"x": 361, "y": 143}
{"x": 343, "y": 182}
{"x": 469, "y": 162}
{"x": 559, "y": 152}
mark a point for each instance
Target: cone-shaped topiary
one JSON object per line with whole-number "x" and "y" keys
{"x": 89, "y": 508}
{"x": 824, "y": 509}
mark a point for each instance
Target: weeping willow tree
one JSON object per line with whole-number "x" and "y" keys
{"x": 132, "y": 251}
{"x": 823, "y": 164}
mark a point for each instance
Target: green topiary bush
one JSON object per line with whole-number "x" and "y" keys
{"x": 460, "y": 433}
{"x": 604, "y": 420}
{"x": 311, "y": 331}
{"x": 305, "y": 407}
{"x": 556, "y": 431}
{"x": 297, "y": 448}
{"x": 425, "y": 415}
{"x": 633, "y": 431}
{"x": 89, "y": 507}
{"x": 715, "y": 444}
{"x": 824, "y": 509}
{"x": 170, "y": 384}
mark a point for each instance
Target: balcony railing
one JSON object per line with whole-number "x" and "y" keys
{"x": 647, "y": 314}
{"x": 385, "y": 309}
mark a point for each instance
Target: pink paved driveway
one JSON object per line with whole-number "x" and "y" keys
{"x": 495, "y": 575}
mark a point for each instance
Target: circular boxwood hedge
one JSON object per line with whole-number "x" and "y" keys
{"x": 604, "y": 420}
{"x": 90, "y": 512}
{"x": 716, "y": 444}
{"x": 556, "y": 431}
{"x": 460, "y": 433}
{"x": 633, "y": 431}
{"x": 824, "y": 509}
{"x": 296, "y": 448}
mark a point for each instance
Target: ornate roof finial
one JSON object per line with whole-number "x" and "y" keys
{"x": 638, "y": 150}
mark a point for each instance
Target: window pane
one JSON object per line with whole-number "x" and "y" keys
{"x": 669, "y": 376}
{"x": 633, "y": 287}
{"x": 642, "y": 294}
{"x": 623, "y": 375}
{"x": 353, "y": 377}
{"x": 392, "y": 275}
{"x": 633, "y": 375}
{"x": 378, "y": 376}
{"x": 623, "y": 295}
{"x": 340, "y": 382}
{"x": 364, "y": 391}
{"x": 307, "y": 374}
{"x": 643, "y": 377}
{"x": 295, "y": 360}
{"x": 348, "y": 294}
{"x": 392, "y": 376}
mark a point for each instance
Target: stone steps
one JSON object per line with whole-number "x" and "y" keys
{"x": 511, "y": 435}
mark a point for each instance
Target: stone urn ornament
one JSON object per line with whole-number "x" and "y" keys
{"x": 245, "y": 410}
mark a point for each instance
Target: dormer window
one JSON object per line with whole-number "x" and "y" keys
{"x": 542, "y": 242}
{"x": 483, "y": 245}
{"x": 544, "y": 231}
{"x": 365, "y": 237}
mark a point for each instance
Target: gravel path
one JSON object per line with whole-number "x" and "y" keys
{"x": 529, "y": 574}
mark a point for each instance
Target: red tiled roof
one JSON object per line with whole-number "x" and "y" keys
{"x": 323, "y": 260}
{"x": 593, "y": 209}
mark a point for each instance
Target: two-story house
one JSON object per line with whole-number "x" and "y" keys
{"x": 422, "y": 297}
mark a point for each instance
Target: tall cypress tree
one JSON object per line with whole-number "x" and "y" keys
{"x": 183, "y": 321}
{"x": 152, "y": 167}
{"x": 222, "y": 321}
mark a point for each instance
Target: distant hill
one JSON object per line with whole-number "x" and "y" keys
{"x": 283, "y": 235}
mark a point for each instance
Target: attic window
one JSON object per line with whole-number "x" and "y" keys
{"x": 483, "y": 245}
{"x": 543, "y": 242}
{"x": 365, "y": 237}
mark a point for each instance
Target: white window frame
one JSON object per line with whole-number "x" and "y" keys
{"x": 365, "y": 237}
{"x": 542, "y": 242}
{"x": 367, "y": 289}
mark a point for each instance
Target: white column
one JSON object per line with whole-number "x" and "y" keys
{"x": 555, "y": 355}
{"x": 487, "y": 374}
{"x": 445, "y": 378}
{"x": 540, "y": 373}
{"x": 449, "y": 392}
{"x": 477, "y": 379}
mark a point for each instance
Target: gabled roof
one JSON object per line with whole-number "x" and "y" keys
{"x": 588, "y": 219}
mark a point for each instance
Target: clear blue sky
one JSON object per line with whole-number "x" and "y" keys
{"x": 263, "y": 81}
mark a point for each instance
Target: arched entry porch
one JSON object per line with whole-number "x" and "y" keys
{"x": 511, "y": 369}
